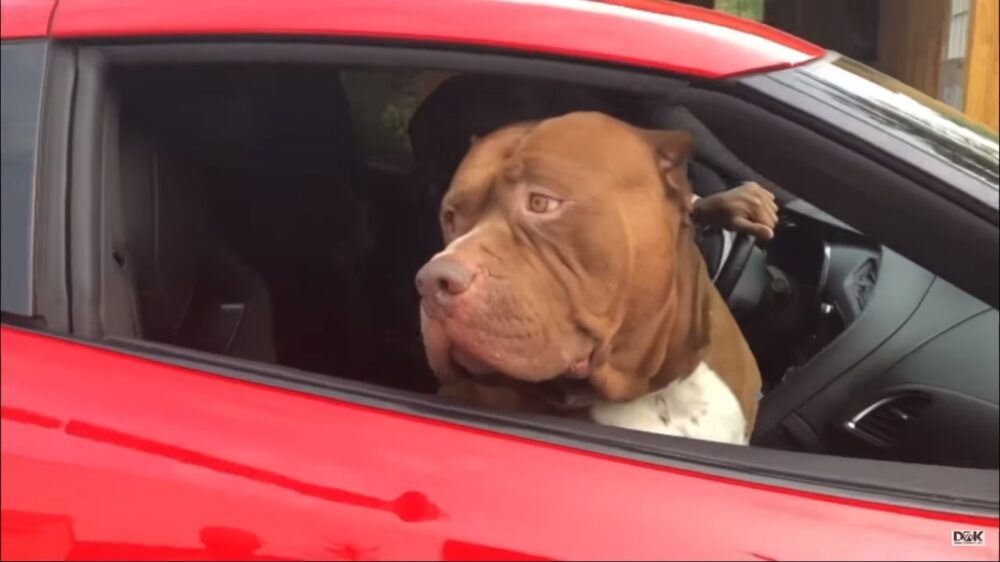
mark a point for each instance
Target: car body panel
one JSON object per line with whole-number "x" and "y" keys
{"x": 110, "y": 456}
{"x": 675, "y": 37}
{"x": 120, "y": 454}
{"x": 22, "y": 19}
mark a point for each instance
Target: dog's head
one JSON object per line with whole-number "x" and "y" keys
{"x": 561, "y": 255}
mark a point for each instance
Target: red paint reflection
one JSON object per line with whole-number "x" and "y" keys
{"x": 412, "y": 507}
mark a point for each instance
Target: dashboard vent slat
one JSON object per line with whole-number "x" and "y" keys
{"x": 883, "y": 422}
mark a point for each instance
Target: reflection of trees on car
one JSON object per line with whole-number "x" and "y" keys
{"x": 749, "y": 9}
{"x": 381, "y": 105}
{"x": 395, "y": 116}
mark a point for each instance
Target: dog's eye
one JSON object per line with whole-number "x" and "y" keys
{"x": 538, "y": 203}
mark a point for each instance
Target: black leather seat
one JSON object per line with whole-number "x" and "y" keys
{"x": 190, "y": 288}
{"x": 240, "y": 201}
{"x": 278, "y": 143}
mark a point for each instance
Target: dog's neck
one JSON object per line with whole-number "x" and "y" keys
{"x": 663, "y": 342}
{"x": 689, "y": 324}
{"x": 689, "y": 328}
{"x": 684, "y": 320}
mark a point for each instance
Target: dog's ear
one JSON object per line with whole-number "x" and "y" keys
{"x": 672, "y": 149}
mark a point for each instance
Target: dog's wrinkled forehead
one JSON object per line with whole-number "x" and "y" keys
{"x": 587, "y": 139}
{"x": 584, "y": 141}
{"x": 583, "y": 130}
{"x": 483, "y": 162}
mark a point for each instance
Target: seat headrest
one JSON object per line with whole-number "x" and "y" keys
{"x": 225, "y": 115}
{"x": 165, "y": 223}
{"x": 475, "y": 105}
{"x": 277, "y": 143}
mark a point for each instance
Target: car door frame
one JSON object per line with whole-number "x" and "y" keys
{"x": 47, "y": 300}
{"x": 912, "y": 486}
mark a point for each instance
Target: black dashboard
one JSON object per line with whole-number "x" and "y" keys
{"x": 866, "y": 354}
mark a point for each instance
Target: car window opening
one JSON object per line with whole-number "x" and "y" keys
{"x": 279, "y": 213}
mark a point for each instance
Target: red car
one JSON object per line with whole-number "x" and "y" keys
{"x": 213, "y": 211}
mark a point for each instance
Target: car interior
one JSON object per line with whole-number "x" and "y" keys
{"x": 279, "y": 212}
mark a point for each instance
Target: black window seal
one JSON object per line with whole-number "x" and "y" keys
{"x": 52, "y": 203}
{"x": 91, "y": 110}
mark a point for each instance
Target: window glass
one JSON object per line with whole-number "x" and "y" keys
{"x": 382, "y": 103}
{"x": 21, "y": 68}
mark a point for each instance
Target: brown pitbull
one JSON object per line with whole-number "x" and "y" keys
{"x": 571, "y": 282}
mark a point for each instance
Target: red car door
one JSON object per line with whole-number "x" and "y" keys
{"x": 111, "y": 456}
{"x": 114, "y": 451}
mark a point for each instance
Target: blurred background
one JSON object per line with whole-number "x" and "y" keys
{"x": 946, "y": 48}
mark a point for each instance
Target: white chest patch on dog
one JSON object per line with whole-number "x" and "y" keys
{"x": 699, "y": 406}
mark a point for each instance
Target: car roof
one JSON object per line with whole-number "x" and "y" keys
{"x": 653, "y": 34}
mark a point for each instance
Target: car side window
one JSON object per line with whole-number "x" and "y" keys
{"x": 22, "y": 68}
{"x": 382, "y": 103}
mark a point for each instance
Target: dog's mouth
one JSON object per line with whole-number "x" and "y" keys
{"x": 570, "y": 390}
{"x": 452, "y": 357}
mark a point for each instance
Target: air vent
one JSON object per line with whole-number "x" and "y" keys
{"x": 864, "y": 279}
{"x": 883, "y": 422}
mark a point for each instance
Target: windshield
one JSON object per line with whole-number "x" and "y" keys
{"x": 914, "y": 117}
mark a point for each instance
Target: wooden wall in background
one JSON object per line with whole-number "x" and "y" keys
{"x": 826, "y": 23}
{"x": 982, "y": 100}
{"x": 911, "y": 41}
{"x": 906, "y": 39}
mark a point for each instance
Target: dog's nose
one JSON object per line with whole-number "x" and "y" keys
{"x": 443, "y": 277}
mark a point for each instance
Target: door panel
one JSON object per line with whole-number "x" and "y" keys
{"x": 112, "y": 456}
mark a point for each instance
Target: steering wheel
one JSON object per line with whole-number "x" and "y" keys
{"x": 732, "y": 269}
